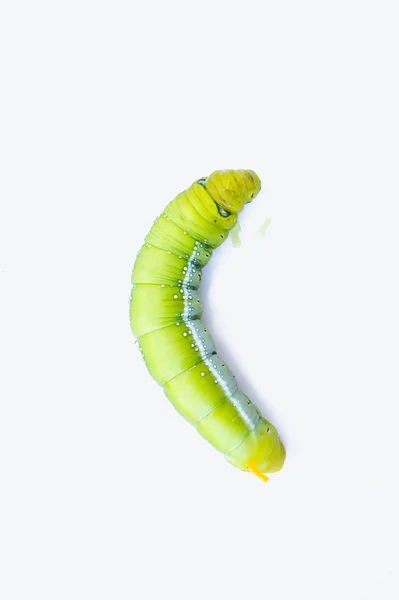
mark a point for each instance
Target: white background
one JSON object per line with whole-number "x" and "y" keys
{"x": 108, "y": 110}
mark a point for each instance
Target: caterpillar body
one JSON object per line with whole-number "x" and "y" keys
{"x": 165, "y": 317}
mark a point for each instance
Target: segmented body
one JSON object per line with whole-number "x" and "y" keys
{"x": 166, "y": 318}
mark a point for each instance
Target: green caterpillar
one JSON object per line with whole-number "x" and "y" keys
{"x": 165, "y": 316}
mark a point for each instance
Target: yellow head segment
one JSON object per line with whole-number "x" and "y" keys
{"x": 232, "y": 189}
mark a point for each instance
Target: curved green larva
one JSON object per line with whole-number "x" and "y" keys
{"x": 165, "y": 316}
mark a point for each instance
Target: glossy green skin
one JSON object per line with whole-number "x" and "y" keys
{"x": 165, "y": 316}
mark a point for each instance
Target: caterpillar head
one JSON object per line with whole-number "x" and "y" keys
{"x": 231, "y": 190}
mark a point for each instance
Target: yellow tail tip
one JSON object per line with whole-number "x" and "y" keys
{"x": 254, "y": 469}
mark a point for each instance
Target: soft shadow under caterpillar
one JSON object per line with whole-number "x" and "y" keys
{"x": 165, "y": 316}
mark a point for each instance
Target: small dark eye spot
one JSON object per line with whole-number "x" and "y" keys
{"x": 267, "y": 429}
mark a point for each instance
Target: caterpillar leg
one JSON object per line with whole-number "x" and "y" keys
{"x": 254, "y": 469}
{"x": 235, "y": 235}
{"x": 262, "y": 230}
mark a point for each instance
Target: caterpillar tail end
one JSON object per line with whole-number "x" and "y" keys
{"x": 254, "y": 469}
